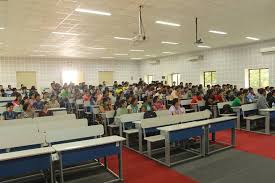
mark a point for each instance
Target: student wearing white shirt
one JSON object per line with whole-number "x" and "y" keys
{"x": 175, "y": 109}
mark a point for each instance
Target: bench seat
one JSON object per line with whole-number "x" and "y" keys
{"x": 255, "y": 117}
{"x": 155, "y": 138}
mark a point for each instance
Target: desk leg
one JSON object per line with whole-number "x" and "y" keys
{"x": 267, "y": 123}
{"x": 238, "y": 119}
{"x": 105, "y": 163}
{"x": 120, "y": 162}
{"x": 167, "y": 149}
{"x": 233, "y": 137}
{"x": 215, "y": 111}
{"x": 213, "y": 136}
{"x": 140, "y": 139}
{"x": 61, "y": 168}
{"x": 206, "y": 139}
{"x": 51, "y": 170}
{"x": 202, "y": 146}
{"x": 120, "y": 129}
{"x": 105, "y": 125}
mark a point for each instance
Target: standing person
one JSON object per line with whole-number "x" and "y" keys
{"x": 175, "y": 108}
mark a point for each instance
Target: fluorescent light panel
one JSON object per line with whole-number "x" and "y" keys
{"x": 167, "y": 42}
{"x": 203, "y": 46}
{"x": 137, "y": 50}
{"x": 37, "y": 55}
{"x": 217, "y": 32}
{"x": 123, "y": 38}
{"x": 107, "y": 57}
{"x": 94, "y": 48}
{"x": 2, "y": 28}
{"x": 168, "y": 52}
{"x": 253, "y": 38}
{"x": 168, "y": 23}
{"x": 121, "y": 54}
{"x": 65, "y": 33}
{"x": 93, "y": 12}
{"x": 136, "y": 58}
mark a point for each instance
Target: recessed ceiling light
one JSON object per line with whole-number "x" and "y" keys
{"x": 37, "y": 55}
{"x": 253, "y": 38}
{"x": 92, "y": 12}
{"x": 167, "y": 42}
{"x": 136, "y": 58}
{"x": 107, "y": 57}
{"x": 2, "y": 28}
{"x": 168, "y": 23}
{"x": 203, "y": 46}
{"x": 217, "y": 32}
{"x": 137, "y": 50}
{"x": 124, "y": 38}
{"x": 168, "y": 52}
{"x": 66, "y": 33}
{"x": 121, "y": 54}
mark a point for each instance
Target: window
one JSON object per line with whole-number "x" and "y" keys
{"x": 258, "y": 78}
{"x": 176, "y": 79}
{"x": 148, "y": 79}
{"x": 72, "y": 76}
{"x": 209, "y": 78}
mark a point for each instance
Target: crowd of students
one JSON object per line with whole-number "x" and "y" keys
{"x": 130, "y": 98}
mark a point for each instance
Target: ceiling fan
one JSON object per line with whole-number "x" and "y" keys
{"x": 198, "y": 40}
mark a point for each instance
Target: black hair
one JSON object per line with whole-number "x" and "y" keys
{"x": 9, "y": 105}
{"x": 25, "y": 107}
{"x": 175, "y": 100}
{"x": 155, "y": 99}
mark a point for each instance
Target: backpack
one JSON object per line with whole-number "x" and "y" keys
{"x": 149, "y": 114}
{"x": 227, "y": 109}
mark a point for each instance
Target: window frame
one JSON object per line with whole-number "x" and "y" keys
{"x": 211, "y": 83}
{"x": 259, "y": 70}
{"x": 178, "y": 78}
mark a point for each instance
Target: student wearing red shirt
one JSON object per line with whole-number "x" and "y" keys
{"x": 157, "y": 104}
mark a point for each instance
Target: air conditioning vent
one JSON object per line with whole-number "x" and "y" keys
{"x": 267, "y": 50}
{"x": 195, "y": 58}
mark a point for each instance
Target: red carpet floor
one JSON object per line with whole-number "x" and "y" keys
{"x": 138, "y": 169}
{"x": 263, "y": 145}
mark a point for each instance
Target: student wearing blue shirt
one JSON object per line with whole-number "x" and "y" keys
{"x": 38, "y": 104}
{"x": 9, "y": 114}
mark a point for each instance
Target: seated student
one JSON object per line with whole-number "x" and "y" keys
{"x": 271, "y": 99}
{"x": 45, "y": 111}
{"x": 2, "y": 93}
{"x": 17, "y": 100}
{"x": 38, "y": 104}
{"x": 106, "y": 105}
{"x": 146, "y": 105}
{"x": 175, "y": 108}
{"x": 157, "y": 104}
{"x": 246, "y": 99}
{"x": 261, "y": 102}
{"x": 28, "y": 111}
{"x": 219, "y": 96}
{"x": 32, "y": 98}
{"x": 133, "y": 107}
{"x": 196, "y": 98}
{"x": 45, "y": 97}
{"x": 53, "y": 103}
{"x": 238, "y": 101}
{"x": 122, "y": 109}
{"x": 9, "y": 114}
{"x": 209, "y": 98}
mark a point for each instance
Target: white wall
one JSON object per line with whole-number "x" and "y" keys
{"x": 50, "y": 69}
{"x": 229, "y": 63}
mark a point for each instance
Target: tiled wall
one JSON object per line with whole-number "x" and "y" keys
{"x": 229, "y": 63}
{"x": 49, "y": 69}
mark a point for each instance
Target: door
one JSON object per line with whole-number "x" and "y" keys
{"x": 27, "y": 78}
{"x": 106, "y": 76}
